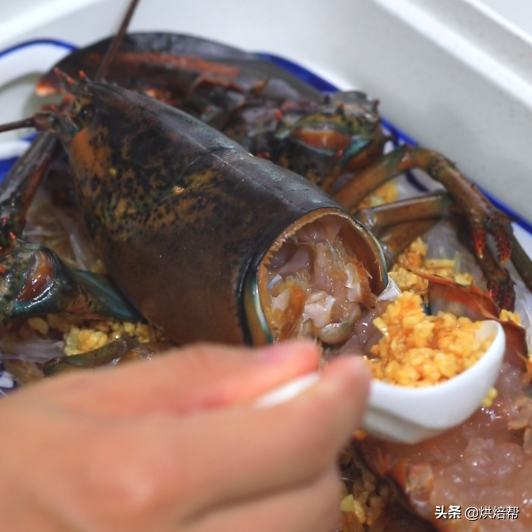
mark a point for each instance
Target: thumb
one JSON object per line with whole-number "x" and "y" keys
{"x": 201, "y": 376}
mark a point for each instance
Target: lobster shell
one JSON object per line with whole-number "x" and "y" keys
{"x": 182, "y": 216}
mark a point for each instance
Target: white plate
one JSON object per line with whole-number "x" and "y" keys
{"x": 40, "y": 55}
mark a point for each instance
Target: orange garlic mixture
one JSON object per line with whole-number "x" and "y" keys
{"x": 415, "y": 258}
{"x": 81, "y": 336}
{"x": 422, "y": 350}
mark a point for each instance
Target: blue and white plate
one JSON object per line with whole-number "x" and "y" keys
{"x": 40, "y": 55}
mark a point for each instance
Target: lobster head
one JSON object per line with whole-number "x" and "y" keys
{"x": 342, "y": 133}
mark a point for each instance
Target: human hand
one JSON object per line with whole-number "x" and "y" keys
{"x": 173, "y": 444}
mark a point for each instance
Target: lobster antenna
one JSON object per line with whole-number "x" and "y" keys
{"x": 117, "y": 41}
{"x": 101, "y": 72}
{"x": 19, "y": 124}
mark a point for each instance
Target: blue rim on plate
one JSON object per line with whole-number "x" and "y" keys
{"x": 316, "y": 81}
{"x": 305, "y": 75}
{"x": 399, "y": 137}
{"x": 39, "y": 42}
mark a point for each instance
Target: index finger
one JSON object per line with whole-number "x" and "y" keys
{"x": 220, "y": 457}
{"x": 201, "y": 376}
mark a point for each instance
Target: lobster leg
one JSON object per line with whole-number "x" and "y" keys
{"x": 378, "y": 219}
{"x": 19, "y": 187}
{"x": 398, "y": 224}
{"x": 91, "y": 359}
{"x": 482, "y": 217}
{"x": 498, "y": 279}
{"x": 521, "y": 261}
{"x": 398, "y": 237}
{"x": 34, "y": 281}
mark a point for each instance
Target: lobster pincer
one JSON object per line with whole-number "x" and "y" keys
{"x": 34, "y": 281}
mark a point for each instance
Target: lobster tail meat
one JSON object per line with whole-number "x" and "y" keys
{"x": 486, "y": 461}
{"x": 315, "y": 284}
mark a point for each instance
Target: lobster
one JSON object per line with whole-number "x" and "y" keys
{"x": 320, "y": 137}
{"x": 174, "y": 186}
{"x": 172, "y": 206}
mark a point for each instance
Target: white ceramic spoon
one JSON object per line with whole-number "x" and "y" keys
{"x": 410, "y": 415}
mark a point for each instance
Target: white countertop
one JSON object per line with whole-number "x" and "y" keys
{"x": 454, "y": 74}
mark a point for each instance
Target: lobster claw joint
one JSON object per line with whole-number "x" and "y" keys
{"x": 35, "y": 281}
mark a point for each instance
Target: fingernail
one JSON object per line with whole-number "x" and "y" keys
{"x": 272, "y": 353}
{"x": 281, "y": 351}
{"x": 361, "y": 366}
{"x": 356, "y": 365}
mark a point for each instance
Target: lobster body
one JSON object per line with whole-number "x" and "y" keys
{"x": 187, "y": 222}
{"x": 277, "y": 116}
{"x": 180, "y": 214}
